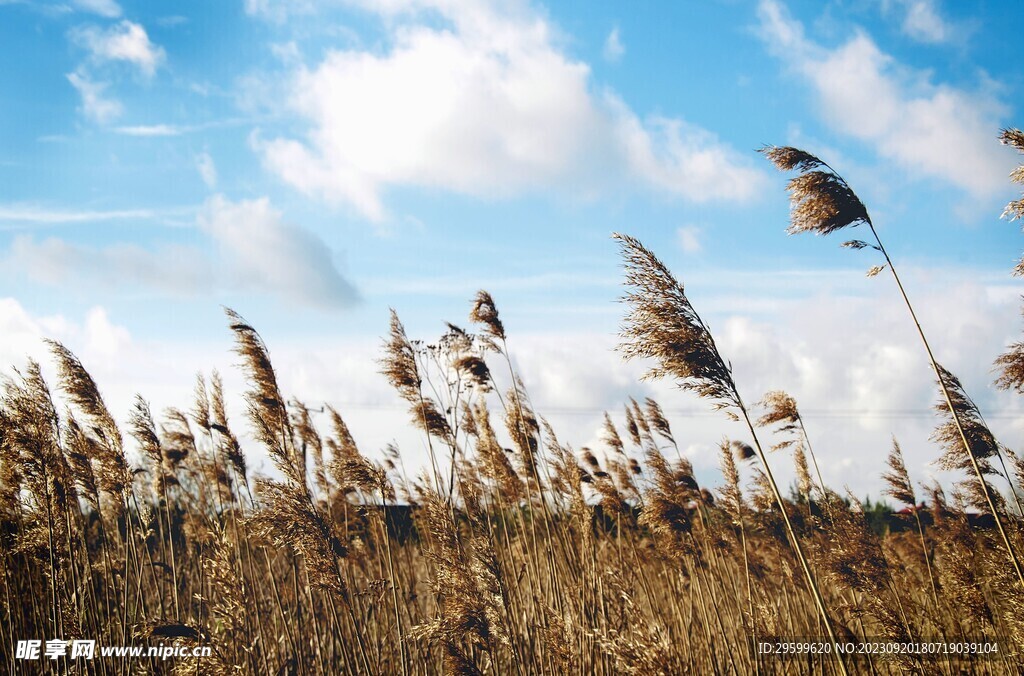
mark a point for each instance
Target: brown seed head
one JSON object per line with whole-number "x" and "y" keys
{"x": 663, "y": 326}
{"x": 820, "y": 200}
{"x": 485, "y": 312}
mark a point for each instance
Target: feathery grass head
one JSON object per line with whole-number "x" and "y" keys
{"x": 229, "y": 445}
{"x": 657, "y": 420}
{"x": 1015, "y": 209}
{"x": 897, "y": 479}
{"x": 292, "y": 521}
{"x": 265, "y": 403}
{"x": 610, "y": 436}
{"x": 399, "y": 363}
{"x": 33, "y": 441}
{"x": 662, "y": 325}
{"x": 494, "y": 464}
{"x": 79, "y": 451}
{"x": 80, "y": 388}
{"x": 485, "y": 312}
{"x": 981, "y": 445}
{"x": 643, "y": 424}
{"x": 1011, "y": 366}
{"x": 731, "y": 494}
{"x": 632, "y": 428}
{"x": 780, "y": 408}
{"x": 142, "y": 427}
{"x": 820, "y": 200}
{"x": 1014, "y": 138}
{"x": 803, "y": 472}
{"x": 666, "y": 505}
{"x": 201, "y": 404}
{"x": 982, "y": 442}
{"x": 743, "y": 450}
{"x": 475, "y": 370}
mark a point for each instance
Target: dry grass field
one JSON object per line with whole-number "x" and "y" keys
{"x": 512, "y": 552}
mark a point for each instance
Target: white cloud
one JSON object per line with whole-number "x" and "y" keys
{"x": 207, "y": 169}
{"x": 275, "y": 10}
{"x": 485, "y": 106}
{"x": 689, "y": 237}
{"x": 613, "y": 50}
{"x": 20, "y": 214}
{"x": 126, "y": 41}
{"x": 853, "y": 362}
{"x": 683, "y": 159}
{"x": 146, "y": 130}
{"x": 95, "y": 104}
{"x": 256, "y": 250}
{"x": 105, "y": 8}
{"x": 923, "y": 22}
{"x": 271, "y": 255}
{"x": 935, "y": 130}
{"x": 177, "y": 270}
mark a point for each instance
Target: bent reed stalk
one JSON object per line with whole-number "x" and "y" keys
{"x": 822, "y": 202}
{"x": 663, "y": 326}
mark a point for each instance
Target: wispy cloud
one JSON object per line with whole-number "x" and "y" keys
{"x": 167, "y": 130}
{"x": 151, "y": 130}
{"x": 935, "y": 130}
{"x": 689, "y": 237}
{"x": 105, "y": 8}
{"x": 207, "y": 169}
{"x": 96, "y": 105}
{"x": 15, "y": 215}
{"x": 174, "y": 269}
{"x": 125, "y": 41}
{"x": 614, "y": 49}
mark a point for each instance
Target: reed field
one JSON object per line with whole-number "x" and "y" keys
{"x": 511, "y": 551}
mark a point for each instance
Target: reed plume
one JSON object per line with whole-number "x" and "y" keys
{"x": 822, "y": 202}
{"x": 664, "y": 327}
{"x": 1015, "y": 209}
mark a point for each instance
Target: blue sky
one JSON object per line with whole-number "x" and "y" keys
{"x": 313, "y": 163}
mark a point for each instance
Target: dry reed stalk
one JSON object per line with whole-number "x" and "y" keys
{"x": 781, "y": 408}
{"x": 823, "y": 202}
{"x": 900, "y": 488}
{"x": 662, "y": 325}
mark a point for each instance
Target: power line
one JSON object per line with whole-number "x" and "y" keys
{"x": 830, "y": 413}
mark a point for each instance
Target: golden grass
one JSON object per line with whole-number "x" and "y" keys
{"x": 512, "y": 553}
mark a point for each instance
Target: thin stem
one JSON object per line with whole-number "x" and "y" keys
{"x": 952, "y": 410}
{"x": 816, "y": 593}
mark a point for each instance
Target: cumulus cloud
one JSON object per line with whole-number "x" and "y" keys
{"x": 96, "y": 105}
{"x": 125, "y": 41}
{"x": 935, "y": 130}
{"x": 256, "y": 250}
{"x": 683, "y": 159}
{"x": 486, "y": 105}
